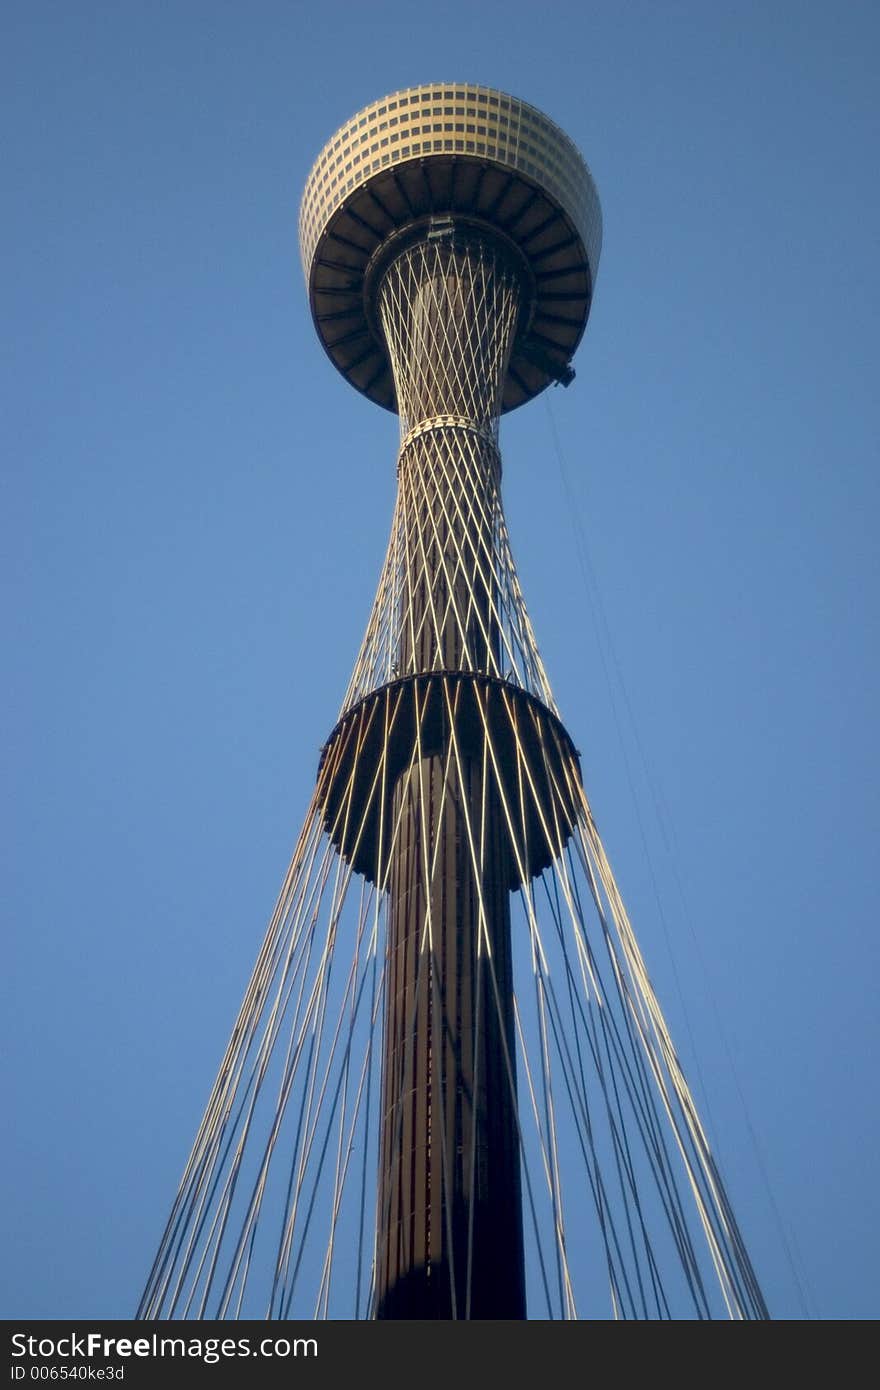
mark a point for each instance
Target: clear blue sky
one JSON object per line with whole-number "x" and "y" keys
{"x": 194, "y": 511}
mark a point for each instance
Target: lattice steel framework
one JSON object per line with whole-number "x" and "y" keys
{"x": 450, "y": 1054}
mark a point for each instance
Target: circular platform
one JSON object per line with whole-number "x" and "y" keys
{"x": 478, "y": 156}
{"x": 534, "y": 766}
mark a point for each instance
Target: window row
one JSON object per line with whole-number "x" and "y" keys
{"x": 523, "y": 114}
{"x": 341, "y": 185}
{"x": 566, "y": 173}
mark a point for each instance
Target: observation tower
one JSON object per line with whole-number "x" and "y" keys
{"x": 450, "y": 956}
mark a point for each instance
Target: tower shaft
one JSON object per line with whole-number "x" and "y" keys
{"x": 449, "y": 1238}
{"x": 450, "y": 236}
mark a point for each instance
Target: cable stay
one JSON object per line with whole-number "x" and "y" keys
{"x": 451, "y": 1091}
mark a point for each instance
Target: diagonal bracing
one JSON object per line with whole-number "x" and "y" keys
{"x": 450, "y": 1090}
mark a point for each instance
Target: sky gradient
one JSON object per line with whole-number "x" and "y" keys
{"x": 195, "y": 509}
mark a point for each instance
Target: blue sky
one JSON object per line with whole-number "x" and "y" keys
{"x": 195, "y": 508}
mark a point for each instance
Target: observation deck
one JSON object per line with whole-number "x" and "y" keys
{"x": 450, "y": 154}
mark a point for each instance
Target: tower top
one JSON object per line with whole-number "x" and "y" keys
{"x": 433, "y": 160}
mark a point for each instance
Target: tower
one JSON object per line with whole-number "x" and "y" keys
{"x": 450, "y": 237}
